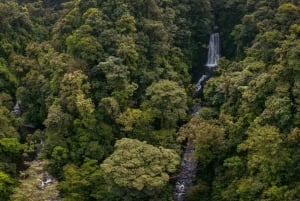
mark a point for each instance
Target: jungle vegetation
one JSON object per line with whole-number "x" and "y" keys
{"x": 105, "y": 86}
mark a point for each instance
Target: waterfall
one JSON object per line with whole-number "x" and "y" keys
{"x": 212, "y": 60}
{"x": 188, "y": 166}
{"x": 17, "y": 109}
{"x": 213, "y": 50}
{"x": 200, "y": 83}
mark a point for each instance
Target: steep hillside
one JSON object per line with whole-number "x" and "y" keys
{"x": 100, "y": 91}
{"x": 248, "y": 132}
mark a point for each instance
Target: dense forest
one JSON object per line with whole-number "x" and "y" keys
{"x": 95, "y": 98}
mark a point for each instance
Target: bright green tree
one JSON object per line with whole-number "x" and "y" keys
{"x": 168, "y": 101}
{"x": 267, "y": 157}
{"x": 139, "y": 170}
{"x": 7, "y": 183}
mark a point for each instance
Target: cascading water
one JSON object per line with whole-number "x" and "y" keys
{"x": 188, "y": 166}
{"x": 213, "y": 50}
{"x": 212, "y": 59}
{"x": 187, "y": 175}
{"x": 200, "y": 83}
{"x": 17, "y": 109}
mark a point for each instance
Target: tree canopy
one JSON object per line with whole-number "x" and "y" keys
{"x": 78, "y": 77}
{"x": 139, "y": 167}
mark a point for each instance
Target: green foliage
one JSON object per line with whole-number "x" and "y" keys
{"x": 84, "y": 183}
{"x": 137, "y": 124}
{"x": 6, "y": 100}
{"x": 31, "y": 187}
{"x": 139, "y": 169}
{"x": 16, "y": 28}
{"x": 8, "y": 80}
{"x": 10, "y": 147}
{"x": 65, "y": 25}
{"x": 168, "y": 101}
{"x": 254, "y": 101}
{"x": 7, "y": 124}
{"x": 71, "y": 85}
{"x": 268, "y": 159}
{"x": 83, "y": 45}
{"x": 208, "y": 137}
{"x": 130, "y": 118}
{"x": 6, "y": 185}
{"x": 88, "y": 73}
{"x": 126, "y": 24}
{"x": 111, "y": 106}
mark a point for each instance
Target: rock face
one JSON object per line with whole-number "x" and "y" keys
{"x": 187, "y": 175}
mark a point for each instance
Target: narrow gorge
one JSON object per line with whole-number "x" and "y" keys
{"x": 189, "y": 163}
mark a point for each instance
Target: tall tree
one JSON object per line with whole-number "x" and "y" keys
{"x": 139, "y": 170}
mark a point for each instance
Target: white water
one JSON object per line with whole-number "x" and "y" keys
{"x": 212, "y": 59}
{"x": 213, "y": 50}
{"x": 17, "y": 109}
{"x": 187, "y": 175}
{"x": 200, "y": 83}
{"x": 188, "y": 166}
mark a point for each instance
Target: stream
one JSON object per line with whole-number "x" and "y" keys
{"x": 35, "y": 179}
{"x": 189, "y": 163}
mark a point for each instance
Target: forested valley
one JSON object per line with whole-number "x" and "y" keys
{"x": 96, "y": 98}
